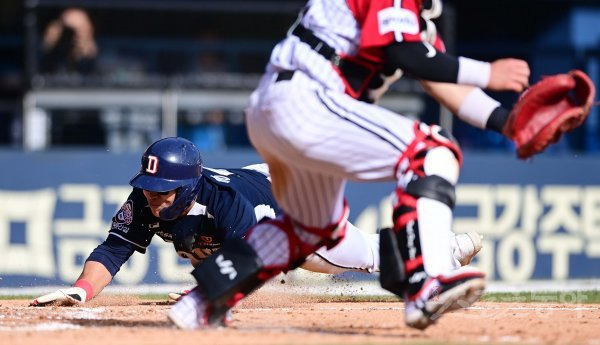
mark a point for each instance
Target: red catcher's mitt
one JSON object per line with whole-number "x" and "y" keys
{"x": 555, "y": 105}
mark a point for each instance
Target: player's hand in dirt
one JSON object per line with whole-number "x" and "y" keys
{"x": 509, "y": 75}
{"x": 176, "y": 296}
{"x": 63, "y": 297}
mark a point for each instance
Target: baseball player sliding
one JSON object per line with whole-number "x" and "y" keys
{"x": 198, "y": 209}
{"x": 313, "y": 121}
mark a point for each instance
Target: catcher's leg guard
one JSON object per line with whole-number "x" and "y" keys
{"x": 425, "y": 196}
{"x": 242, "y": 266}
{"x": 391, "y": 262}
{"x": 427, "y": 173}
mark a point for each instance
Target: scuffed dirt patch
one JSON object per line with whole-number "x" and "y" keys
{"x": 284, "y": 319}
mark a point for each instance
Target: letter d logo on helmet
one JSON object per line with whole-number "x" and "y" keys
{"x": 171, "y": 164}
{"x": 152, "y": 165}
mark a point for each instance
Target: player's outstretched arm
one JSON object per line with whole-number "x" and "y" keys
{"x": 423, "y": 61}
{"x": 92, "y": 280}
{"x": 449, "y": 95}
{"x": 555, "y": 105}
{"x": 102, "y": 264}
{"x": 469, "y": 103}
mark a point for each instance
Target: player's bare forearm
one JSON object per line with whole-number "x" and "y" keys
{"x": 449, "y": 95}
{"x": 97, "y": 275}
{"x": 469, "y": 103}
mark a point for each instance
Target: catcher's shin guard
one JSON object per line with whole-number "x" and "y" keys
{"x": 391, "y": 263}
{"x": 430, "y": 164}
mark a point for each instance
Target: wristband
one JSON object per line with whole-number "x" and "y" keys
{"x": 87, "y": 287}
{"x": 477, "y": 108}
{"x": 498, "y": 120}
{"x": 473, "y": 72}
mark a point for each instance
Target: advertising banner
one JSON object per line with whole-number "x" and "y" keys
{"x": 540, "y": 219}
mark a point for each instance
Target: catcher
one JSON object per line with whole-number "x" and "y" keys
{"x": 310, "y": 121}
{"x": 198, "y": 209}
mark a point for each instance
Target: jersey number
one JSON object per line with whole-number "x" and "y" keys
{"x": 262, "y": 211}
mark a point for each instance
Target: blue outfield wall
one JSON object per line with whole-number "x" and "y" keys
{"x": 540, "y": 218}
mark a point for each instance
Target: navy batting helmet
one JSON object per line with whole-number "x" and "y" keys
{"x": 169, "y": 164}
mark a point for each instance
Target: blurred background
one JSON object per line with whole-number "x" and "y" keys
{"x": 87, "y": 85}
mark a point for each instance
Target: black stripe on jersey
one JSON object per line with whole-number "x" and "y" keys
{"x": 364, "y": 119}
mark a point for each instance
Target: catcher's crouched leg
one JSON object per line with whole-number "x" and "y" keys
{"x": 416, "y": 258}
{"x": 428, "y": 169}
{"x": 242, "y": 266}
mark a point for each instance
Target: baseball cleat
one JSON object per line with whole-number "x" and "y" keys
{"x": 193, "y": 312}
{"x": 468, "y": 245}
{"x": 456, "y": 290}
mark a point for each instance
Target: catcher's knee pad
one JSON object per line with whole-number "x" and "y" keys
{"x": 425, "y": 154}
{"x": 428, "y": 168}
{"x": 228, "y": 275}
{"x": 283, "y": 244}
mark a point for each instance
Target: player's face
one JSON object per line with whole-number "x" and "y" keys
{"x": 159, "y": 200}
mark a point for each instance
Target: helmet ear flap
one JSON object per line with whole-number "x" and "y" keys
{"x": 186, "y": 195}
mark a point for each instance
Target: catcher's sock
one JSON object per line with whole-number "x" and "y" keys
{"x": 497, "y": 119}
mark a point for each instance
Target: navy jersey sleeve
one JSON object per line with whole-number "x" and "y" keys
{"x": 235, "y": 216}
{"x": 237, "y": 198}
{"x": 112, "y": 253}
{"x": 130, "y": 224}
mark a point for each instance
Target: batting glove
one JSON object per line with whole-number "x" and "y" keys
{"x": 69, "y": 296}
{"x": 176, "y": 296}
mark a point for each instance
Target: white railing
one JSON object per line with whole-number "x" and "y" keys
{"x": 37, "y": 120}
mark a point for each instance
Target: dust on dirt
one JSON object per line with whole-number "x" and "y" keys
{"x": 294, "y": 319}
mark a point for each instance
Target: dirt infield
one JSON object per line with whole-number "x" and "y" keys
{"x": 265, "y": 319}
